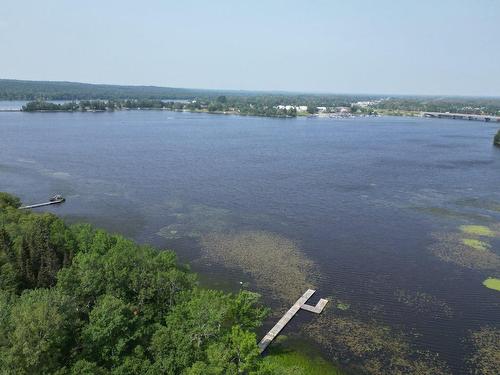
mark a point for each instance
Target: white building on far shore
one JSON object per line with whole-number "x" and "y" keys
{"x": 298, "y": 108}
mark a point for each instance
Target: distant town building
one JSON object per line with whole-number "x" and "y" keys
{"x": 299, "y": 108}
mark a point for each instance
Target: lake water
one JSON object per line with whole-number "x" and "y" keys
{"x": 367, "y": 201}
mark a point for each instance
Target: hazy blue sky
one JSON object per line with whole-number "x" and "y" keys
{"x": 348, "y": 46}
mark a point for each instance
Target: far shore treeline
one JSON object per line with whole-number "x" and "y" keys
{"x": 78, "y": 300}
{"x": 101, "y": 97}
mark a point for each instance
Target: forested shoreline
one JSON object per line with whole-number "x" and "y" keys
{"x": 98, "y": 97}
{"x": 219, "y": 105}
{"x": 77, "y": 300}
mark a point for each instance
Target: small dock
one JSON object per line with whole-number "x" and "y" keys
{"x": 300, "y": 304}
{"x": 41, "y": 204}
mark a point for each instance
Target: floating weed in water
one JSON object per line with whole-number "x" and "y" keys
{"x": 486, "y": 356}
{"x": 492, "y": 283}
{"x": 477, "y": 230}
{"x": 476, "y": 244}
{"x": 453, "y": 214}
{"x": 424, "y": 303}
{"x": 451, "y": 248}
{"x": 343, "y": 306}
{"x": 375, "y": 348}
{"x": 485, "y": 204}
{"x": 275, "y": 262}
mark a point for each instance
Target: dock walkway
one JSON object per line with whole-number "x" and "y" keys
{"x": 300, "y": 304}
{"x": 41, "y": 204}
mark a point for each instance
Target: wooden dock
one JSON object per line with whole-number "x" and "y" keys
{"x": 41, "y": 204}
{"x": 300, "y": 304}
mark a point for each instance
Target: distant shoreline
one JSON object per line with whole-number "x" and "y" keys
{"x": 234, "y": 113}
{"x": 336, "y": 115}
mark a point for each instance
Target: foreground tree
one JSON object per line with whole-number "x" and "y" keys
{"x": 7, "y": 200}
{"x": 40, "y": 333}
{"x": 76, "y": 300}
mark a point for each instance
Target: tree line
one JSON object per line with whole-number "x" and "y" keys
{"x": 77, "y": 300}
{"x": 246, "y": 102}
{"x": 215, "y": 106}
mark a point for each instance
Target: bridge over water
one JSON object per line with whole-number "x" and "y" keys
{"x": 462, "y": 116}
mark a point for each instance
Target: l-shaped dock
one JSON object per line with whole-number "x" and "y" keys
{"x": 300, "y": 304}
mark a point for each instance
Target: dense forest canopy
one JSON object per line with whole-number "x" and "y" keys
{"x": 31, "y": 90}
{"x": 78, "y": 300}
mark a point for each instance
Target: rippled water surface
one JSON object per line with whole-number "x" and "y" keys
{"x": 362, "y": 204}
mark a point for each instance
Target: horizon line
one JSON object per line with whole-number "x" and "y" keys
{"x": 277, "y": 91}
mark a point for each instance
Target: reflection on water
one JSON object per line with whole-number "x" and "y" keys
{"x": 374, "y": 212}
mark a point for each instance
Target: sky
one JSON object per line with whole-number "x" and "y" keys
{"x": 443, "y": 47}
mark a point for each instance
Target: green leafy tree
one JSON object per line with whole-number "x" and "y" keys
{"x": 40, "y": 258}
{"x": 43, "y": 323}
{"x": 84, "y": 367}
{"x": 139, "y": 275}
{"x": 222, "y": 99}
{"x": 7, "y": 200}
{"x": 7, "y": 300}
{"x": 8, "y": 273}
{"x": 110, "y": 332}
{"x": 246, "y": 310}
{"x": 112, "y": 306}
{"x": 312, "y": 109}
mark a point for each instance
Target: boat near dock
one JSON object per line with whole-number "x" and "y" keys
{"x": 56, "y": 199}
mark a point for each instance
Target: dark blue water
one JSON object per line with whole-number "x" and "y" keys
{"x": 361, "y": 196}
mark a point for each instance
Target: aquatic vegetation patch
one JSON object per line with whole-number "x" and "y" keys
{"x": 374, "y": 348}
{"x": 454, "y": 214}
{"x": 476, "y": 244}
{"x": 343, "y": 306}
{"x": 282, "y": 359}
{"x": 486, "y": 356}
{"x": 451, "y": 248}
{"x": 477, "y": 230}
{"x": 424, "y": 303}
{"x": 485, "y": 204}
{"x": 274, "y": 262}
{"x": 492, "y": 283}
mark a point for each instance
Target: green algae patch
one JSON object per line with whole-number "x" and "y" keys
{"x": 275, "y": 263}
{"x": 449, "y": 247}
{"x": 284, "y": 360}
{"x": 476, "y": 244}
{"x": 477, "y": 230}
{"x": 343, "y": 306}
{"x": 492, "y": 283}
{"x": 447, "y": 213}
{"x": 486, "y": 355}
